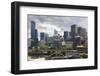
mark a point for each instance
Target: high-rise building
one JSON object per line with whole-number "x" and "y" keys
{"x": 57, "y": 41}
{"x": 77, "y": 41}
{"x": 82, "y": 32}
{"x": 65, "y": 35}
{"x": 69, "y": 35}
{"x": 73, "y": 30}
{"x": 79, "y": 31}
{"x": 43, "y": 36}
{"x": 46, "y": 37}
{"x": 32, "y": 29}
{"x": 34, "y": 34}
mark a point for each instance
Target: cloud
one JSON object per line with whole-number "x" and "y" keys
{"x": 60, "y": 23}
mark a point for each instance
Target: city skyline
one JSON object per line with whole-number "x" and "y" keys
{"x": 55, "y": 40}
{"x": 48, "y": 24}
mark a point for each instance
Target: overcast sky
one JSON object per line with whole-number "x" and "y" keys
{"x": 49, "y": 23}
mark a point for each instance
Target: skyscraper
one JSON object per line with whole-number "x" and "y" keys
{"x": 65, "y": 35}
{"x": 82, "y": 32}
{"x": 32, "y": 30}
{"x": 79, "y": 31}
{"x": 42, "y": 36}
{"x": 34, "y": 34}
{"x": 73, "y": 30}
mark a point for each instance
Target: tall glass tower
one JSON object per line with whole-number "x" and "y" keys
{"x": 34, "y": 34}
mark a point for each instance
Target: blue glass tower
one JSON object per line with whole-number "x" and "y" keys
{"x": 34, "y": 34}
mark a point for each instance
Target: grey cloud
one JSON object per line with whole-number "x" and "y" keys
{"x": 63, "y": 22}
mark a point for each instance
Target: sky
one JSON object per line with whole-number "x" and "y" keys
{"x": 49, "y": 23}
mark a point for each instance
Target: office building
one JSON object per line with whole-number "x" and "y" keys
{"x": 73, "y": 30}
{"x": 34, "y": 34}
{"x": 65, "y": 35}
{"x": 43, "y": 36}
{"x": 82, "y": 32}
